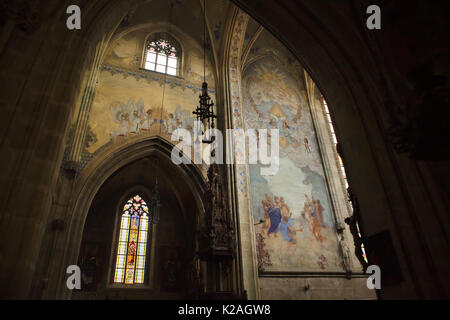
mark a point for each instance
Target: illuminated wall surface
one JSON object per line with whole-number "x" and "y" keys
{"x": 298, "y": 232}
{"x": 131, "y": 101}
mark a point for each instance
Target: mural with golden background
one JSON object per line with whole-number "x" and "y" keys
{"x": 130, "y": 101}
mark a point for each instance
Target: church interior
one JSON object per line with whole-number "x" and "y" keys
{"x": 358, "y": 118}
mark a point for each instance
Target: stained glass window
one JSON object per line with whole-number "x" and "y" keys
{"x": 132, "y": 244}
{"x": 161, "y": 56}
{"x": 341, "y": 164}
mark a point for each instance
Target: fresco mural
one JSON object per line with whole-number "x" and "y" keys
{"x": 126, "y": 107}
{"x": 134, "y": 118}
{"x": 296, "y": 230}
{"x": 129, "y": 100}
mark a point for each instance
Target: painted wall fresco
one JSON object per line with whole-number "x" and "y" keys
{"x": 297, "y": 232}
{"x": 129, "y": 100}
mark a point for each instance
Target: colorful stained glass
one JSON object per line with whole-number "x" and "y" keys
{"x": 161, "y": 57}
{"x": 162, "y": 46}
{"x": 132, "y": 244}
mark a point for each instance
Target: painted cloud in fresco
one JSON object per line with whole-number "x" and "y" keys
{"x": 297, "y": 229}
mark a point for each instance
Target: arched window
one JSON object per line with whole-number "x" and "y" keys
{"x": 162, "y": 54}
{"x": 133, "y": 242}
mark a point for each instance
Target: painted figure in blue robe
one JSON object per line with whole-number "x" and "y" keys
{"x": 275, "y": 217}
{"x": 287, "y": 223}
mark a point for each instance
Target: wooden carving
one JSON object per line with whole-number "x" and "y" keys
{"x": 219, "y": 231}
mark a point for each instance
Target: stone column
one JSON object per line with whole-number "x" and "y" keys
{"x": 80, "y": 125}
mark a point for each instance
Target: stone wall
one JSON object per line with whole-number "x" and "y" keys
{"x": 316, "y": 288}
{"x": 44, "y": 70}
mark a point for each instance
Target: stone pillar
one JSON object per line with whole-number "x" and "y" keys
{"x": 81, "y": 122}
{"x": 37, "y": 82}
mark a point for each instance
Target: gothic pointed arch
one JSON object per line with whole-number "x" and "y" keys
{"x": 191, "y": 179}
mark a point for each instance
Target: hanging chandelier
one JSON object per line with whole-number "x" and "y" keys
{"x": 205, "y": 109}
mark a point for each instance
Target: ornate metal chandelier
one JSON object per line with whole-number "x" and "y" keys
{"x": 205, "y": 109}
{"x": 205, "y": 113}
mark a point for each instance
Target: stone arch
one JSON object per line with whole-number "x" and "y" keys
{"x": 341, "y": 63}
{"x": 93, "y": 177}
{"x": 239, "y": 174}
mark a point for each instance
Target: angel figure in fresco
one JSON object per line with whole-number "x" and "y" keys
{"x": 136, "y": 120}
{"x": 266, "y": 203}
{"x": 171, "y": 124}
{"x": 174, "y": 121}
{"x": 289, "y": 132}
{"x": 287, "y": 224}
{"x": 131, "y": 119}
{"x": 139, "y": 115}
{"x": 313, "y": 213}
{"x": 148, "y": 122}
{"x": 121, "y": 115}
{"x": 319, "y": 209}
{"x": 124, "y": 119}
{"x": 184, "y": 118}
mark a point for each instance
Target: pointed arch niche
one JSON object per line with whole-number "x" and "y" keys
{"x": 101, "y": 192}
{"x": 133, "y": 99}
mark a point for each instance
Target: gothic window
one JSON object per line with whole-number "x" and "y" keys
{"x": 162, "y": 55}
{"x": 341, "y": 164}
{"x": 133, "y": 242}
